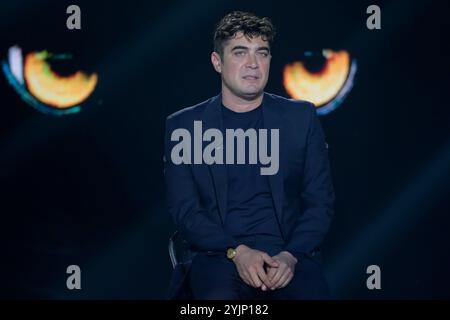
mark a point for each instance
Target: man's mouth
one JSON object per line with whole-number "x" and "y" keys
{"x": 251, "y": 77}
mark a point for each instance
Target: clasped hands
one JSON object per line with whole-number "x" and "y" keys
{"x": 250, "y": 264}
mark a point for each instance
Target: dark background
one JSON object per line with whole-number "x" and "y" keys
{"x": 87, "y": 188}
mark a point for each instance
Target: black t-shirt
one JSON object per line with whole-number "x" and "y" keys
{"x": 250, "y": 210}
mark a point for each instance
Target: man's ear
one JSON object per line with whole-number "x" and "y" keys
{"x": 216, "y": 61}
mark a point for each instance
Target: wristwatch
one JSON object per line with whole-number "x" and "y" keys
{"x": 231, "y": 253}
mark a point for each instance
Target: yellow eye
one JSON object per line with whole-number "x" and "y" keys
{"x": 327, "y": 84}
{"x": 47, "y": 91}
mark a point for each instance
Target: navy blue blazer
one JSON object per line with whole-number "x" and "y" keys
{"x": 302, "y": 189}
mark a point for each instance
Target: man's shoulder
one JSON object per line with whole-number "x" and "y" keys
{"x": 189, "y": 113}
{"x": 291, "y": 105}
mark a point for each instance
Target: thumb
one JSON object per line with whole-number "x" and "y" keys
{"x": 270, "y": 261}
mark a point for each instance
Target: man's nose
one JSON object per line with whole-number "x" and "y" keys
{"x": 252, "y": 62}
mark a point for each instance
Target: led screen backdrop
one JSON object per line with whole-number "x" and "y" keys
{"x": 82, "y": 128}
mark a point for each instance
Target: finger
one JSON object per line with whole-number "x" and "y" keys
{"x": 269, "y": 260}
{"x": 249, "y": 278}
{"x": 263, "y": 287}
{"x": 262, "y": 275}
{"x": 270, "y": 274}
{"x": 255, "y": 279}
{"x": 249, "y": 282}
{"x": 280, "y": 272}
{"x": 245, "y": 278}
{"x": 287, "y": 281}
{"x": 282, "y": 280}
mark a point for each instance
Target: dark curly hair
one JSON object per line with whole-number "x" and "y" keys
{"x": 247, "y": 23}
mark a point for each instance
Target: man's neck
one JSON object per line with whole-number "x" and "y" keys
{"x": 238, "y": 104}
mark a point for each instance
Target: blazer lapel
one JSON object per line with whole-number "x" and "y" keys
{"x": 273, "y": 120}
{"x": 212, "y": 118}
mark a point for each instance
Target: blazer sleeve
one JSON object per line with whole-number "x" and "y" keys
{"x": 183, "y": 202}
{"x": 317, "y": 193}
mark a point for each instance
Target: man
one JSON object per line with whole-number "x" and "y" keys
{"x": 253, "y": 235}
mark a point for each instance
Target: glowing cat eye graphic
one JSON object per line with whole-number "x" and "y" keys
{"x": 323, "y": 78}
{"x": 41, "y": 87}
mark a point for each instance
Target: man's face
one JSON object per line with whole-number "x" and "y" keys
{"x": 244, "y": 67}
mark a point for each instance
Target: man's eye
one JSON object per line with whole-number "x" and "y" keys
{"x": 264, "y": 54}
{"x": 239, "y": 53}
